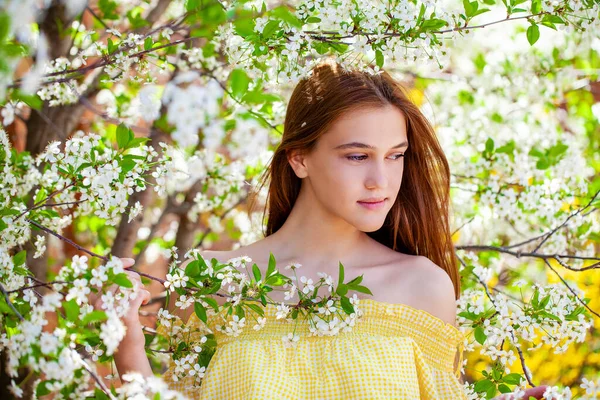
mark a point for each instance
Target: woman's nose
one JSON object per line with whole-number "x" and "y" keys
{"x": 377, "y": 176}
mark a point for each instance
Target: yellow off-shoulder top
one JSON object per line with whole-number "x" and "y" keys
{"x": 394, "y": 351}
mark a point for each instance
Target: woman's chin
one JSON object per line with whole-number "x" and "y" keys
{"x": 370, "y": 226}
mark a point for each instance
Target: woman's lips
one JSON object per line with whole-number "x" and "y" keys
{"x": 373, "y": 206}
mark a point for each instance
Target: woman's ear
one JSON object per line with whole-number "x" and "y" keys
{"x": 297, "y": 160}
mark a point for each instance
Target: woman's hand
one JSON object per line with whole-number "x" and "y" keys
{"x": 536, "y": 392}
{"x": 131, "y": 319}
{"x": 130, "y": 356}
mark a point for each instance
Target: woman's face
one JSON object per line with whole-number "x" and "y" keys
{"x": 359, "y": 160}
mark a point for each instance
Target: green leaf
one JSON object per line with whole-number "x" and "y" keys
{"x": 558, "y": 150}
{"x": 193, "y": 269}
{"x": 191, "y": 5}
{"x": 535, "y": 299}
{"x": 4, "y": 26}
{"x": 483, "y": 385}
{"x": 94, "y": 316}
{"x": 342, "y": 289}
{"x": 356, "y": 281}
{"x": 502, "y": 388}
{"x": 341, "y": 274}
{"x": 239, "y": 311}
{"x": 271, "y": 266}
{"x": 533, "y": 33}
{"x": 239, "y": 82}
{"x": 465, "y": 97}
{"x": 545, "y": 301}
{"x": 276, "y": 280}
{"x": 480, "y": 335}
{"x": 346, "y": 305}
{"x": 489, "y": 145}
{"x": 379, "y": 58}
{"x": 136, "y": 142}
{"x": 433, "y": 24}
{"x": 555, "y": 19}
{"x": 258, "y": 309}
{"x": 122, "y": 279}
{"x": 421, "y": 14}
{"x": 148, "y": 43}
{"x": 508, "y": 148}
{"x": 100, "y": 395}
{"x": 124, "y": 136}
{"x": 22, "y": 271}
{"x": 362, "y": 289}
{"x": 42, "y": 389}
{"x": 19, "y": 258}
{"x": 512, "y": 379}
{"x": 212, "y": 302}
{"x": 550, "y": 315}
{"x": 284, "y": 13}
{"x": 244, "y": 26}
{"x": 110, "y": 46}
{"x": 470, "y": 7}
{"x": 542, "y": 163}
{"x": 71, "y": 310}
{"x": 32, "y": 100}
{"x": 200, "y": 311}
{"x": 270, "y": 28}
{"x": 480, "y": 11}
{"x": 127, "y": 164}
{"x": 256, "y": 272}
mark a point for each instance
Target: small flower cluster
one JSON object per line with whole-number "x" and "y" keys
{"x": 137, "y": 386}
{"x": 553, "y": 317}
{"x": 194, "y": 107}
{"x": 244, "y": 284}
{"x": 52, "y": 353}
{"x": 93, "y": 175}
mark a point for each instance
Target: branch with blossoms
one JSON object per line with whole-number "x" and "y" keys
{"x": 200, "y": 280}
{"x": 403, "y": 31}
{"x": 546, "y": 311}
{"x": 248, "y": 52}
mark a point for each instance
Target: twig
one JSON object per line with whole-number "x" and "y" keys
{"x": 521, "y": 357}
{"x": 10, "y": 304}
{"x": 97, "y": 379}
{"x": 566, "y": 221}
{"x": 571, "y": 289}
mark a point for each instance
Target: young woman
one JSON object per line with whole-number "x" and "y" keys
{"x": 359, "y": 178}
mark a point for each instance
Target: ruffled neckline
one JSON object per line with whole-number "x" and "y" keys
{"x": 404, "y": 314}
{"x": 377, "y": 307}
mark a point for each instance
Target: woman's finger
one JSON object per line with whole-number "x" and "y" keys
{"x": 146, "y": 296}
{"x": 133, "y": 275}
{"x": 536, "y": 392}
{"x": 127, "y": 262}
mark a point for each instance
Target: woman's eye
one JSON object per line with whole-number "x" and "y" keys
{"x": 360, "y": 158}
{"x": 355, "y": 158}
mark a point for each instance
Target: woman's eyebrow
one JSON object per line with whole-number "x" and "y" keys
{"x": 366, "y": 146}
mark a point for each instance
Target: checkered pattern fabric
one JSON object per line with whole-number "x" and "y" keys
{"x": 394, "y": 351}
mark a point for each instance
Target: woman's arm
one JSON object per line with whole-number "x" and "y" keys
{"x": 130, "y": 356}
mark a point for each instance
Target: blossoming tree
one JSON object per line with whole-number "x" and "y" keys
{"x": 139, "y": 129}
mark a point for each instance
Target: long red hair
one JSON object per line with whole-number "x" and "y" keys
{"x": 418, "y": 222}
